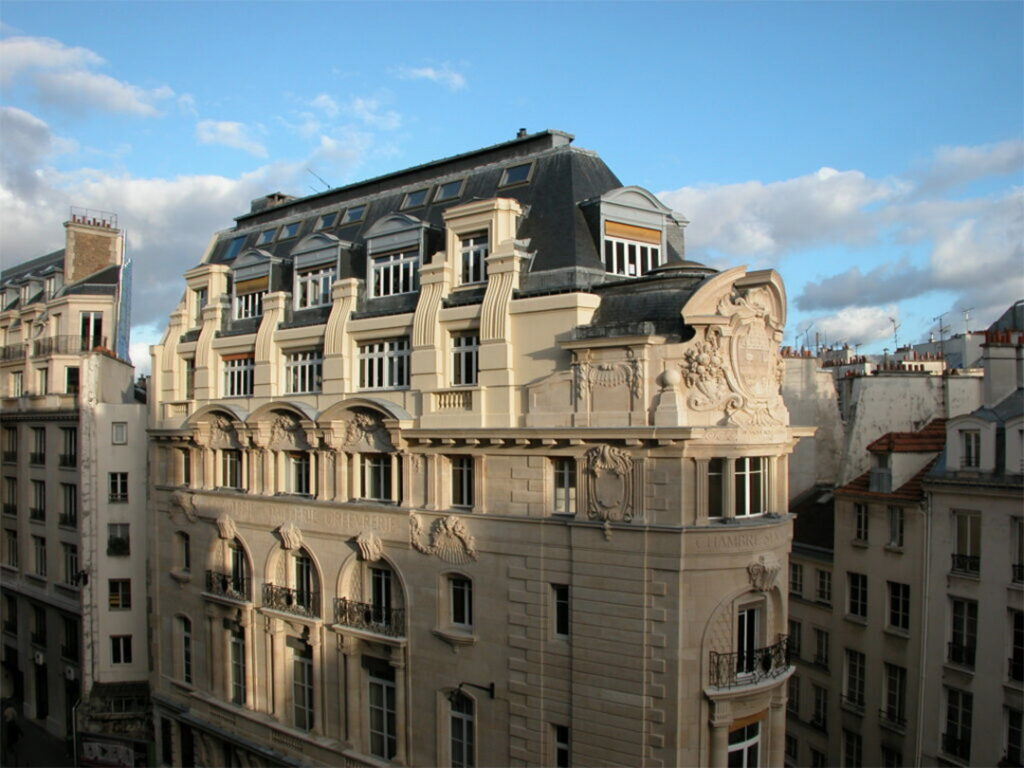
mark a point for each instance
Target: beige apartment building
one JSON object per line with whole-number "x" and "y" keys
{"x": 915, "y": 655}
{"x": 467, "y": 465}
{"x": 73, "y": 475}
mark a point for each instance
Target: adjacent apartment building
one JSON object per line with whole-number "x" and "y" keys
{"x": 468, "y": 465}
{"x": 73, "y": 474}
{"x": 907, "y": 608}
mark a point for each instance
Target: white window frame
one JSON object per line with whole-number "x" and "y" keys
{"x": 395, "y": 273}
{"x": 460, "y": 601}
{"x": 463, "y": 481}
{"x": 899, "y": 605}
{"x": 17, "y": 384}
{"x": 119, "y": 594}
{"x": 239, "y": 376}
{"x": 897, "y": 525}
{"x": 303, "y": 371}
{"x": 119, "y": 433}
{"x": 118, "y": 487}
{"x": 473, "y": 251}
{"x": 857, "y": 597}
{"x": 894, "y": 695}
{"x": 384, "y": 364}
{"x": 303, "y": 693}
{"x": 313, "y": 287}
{"x": 70, "y": 563}
{"x": 465, "y": 359}
{"x": 39, "y": 549}
{"x": 377, "y": 471}
{"x": 231, "y": 468}
{"x": 248, "y": 305}
{"x": 854, "y": 679}
{"x": 750, "y": 473}
{"x": 565, "y": 488}
{"x": 300, "y": 472}
{"x": 462, "y": 731}
{"x": 630, "y": 258}
{"x": 823, "y": 592}
{"x": 120, "y": 649}
{"x": 796, "y": 578}
{"x": 860, "y": 520}
{"x": 385, "y": 713}
{"x": 748, "y": 745}
{"x": 970, "y": 448}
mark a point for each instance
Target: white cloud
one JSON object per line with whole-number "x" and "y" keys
{"x": 325, "y": 104}
{"x": 956, "y": 166}
{"x": 443, "y": 74}
{"x": 229, "y": 134}
{"x": 370, "y": 113}
{"x": 187, "y": 104}
{"x": 81, "y": 91}
{"x": 18, "y": 54}
{"x": 856, "y": 325}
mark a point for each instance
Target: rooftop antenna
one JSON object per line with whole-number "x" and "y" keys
{"x": 942, "y": 355}
{"x": 806, "y": 333}
{"x": 314, "y": 173}
{"x": 967, "y": 320}
{"x": 895, "y": 329}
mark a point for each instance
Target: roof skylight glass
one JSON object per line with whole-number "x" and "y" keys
{"x": 415, "y": 199}
{"x": 266, "y": 236}
{"x": 449, "y": 191}
{"x": 290, "y": 230}
{"x": 234, "y": 247}
{"x": 517, "y": 174}
{"x": 327, "y": 220}
{"x": 354, "y": 214}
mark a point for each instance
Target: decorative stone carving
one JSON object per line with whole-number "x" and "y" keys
{"x": 222, "y": 433}
{"x": 450, "y": 539}
{"x": 184, "y": 503}
{"x": 286, "y": 433}
{"x": 763, "y": 572}
{"x": 609, "y": 472}
{"x": 371, "y": 548}
{"x": 226, "y": 527}
{"x": 704, "y": 371}
{"x": 291, "y": 535}
{"x": 607, "y": 375}
{"x": 365, "y": 429}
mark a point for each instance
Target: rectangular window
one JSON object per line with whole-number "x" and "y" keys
{"x": 892, "y": 758}
{"x": 38, "y": 509}
{"x": 302, "y": 685}
{"x": 299, "y": 473}
{"x": 795, "y": 637}
{"x": 465, "y": 349}
{"x": 377, "y": 476}
{"x": 381, "y": 594}
{"x": 184, "y": 551}
{"x": 415, "y": 199}
{"x": 1016, "y": 660}
{"x": 17, "y": 384}
{"x": 634, "y": 252}
{"x": 383, "y": 718}
{"x": 516, "y": 174}
{"x": 190, "y": 378}
{"x": 119, "y": 432}
{"x": 747, "y": 631}
{"x": 745, "y": 745}
{"x": 463, "y": 731}
{"x": 462, "y": 481}
{"x": 303, "y": 371}
{"x": 819, "y": 717}
{"x": 857, "y": 591}
{"x": 120, "y": 591}
{"x": 970, "y": 449}
{"x": 69, "y": 515}
{"x": 10, "y": 444}
{"x": 818, "y": 759}
{"x": 964, "y": 632}
{"x": 70, "y": 563}
{"x": 967, "y": 554}
{"x": 895, "y": 694}
{"x": 956, "y": 740}
{"x": 38, "y": 453}
{"x": 560, "y": 598}
{"x": 118, "y": 541}
{"x": 231, "y": 468}
{"x": 1017, "y": 542}
{"x": 565, "y": 486}
{"x": 39, "y": 550}
{"x": 238, "y": 682}
{"x": 249, "y": 305}
{"x": 10, "y": 496}
{"x": 448, "y": 191}
{"x": 855, "y": 671}
{"x": 460, "y": 591}
{"x": 69, "y": 454}
{"x": 186, "y": 649}
{"x": 92, "y": 331}
{"x": 860, "y": 513}
{"x": 11, "y": 550}
{"x": 118, "y": 487}
{"x": 750, "y": 481}
{"x": 792, "y": 747}
{"x": 473, "y": 252}
{"x": 563, "y": 755}
{"x": 313, "y": 287}
{"x": 793, "y": 695}
{"x": 185, "y": 462}
{"x": 852, "y": 749}
{"x": 238, "y": 375}
{"x": 796, "y": 579}
{"x": 199, "y": 296}
{"x": 71, "y": 643}
{"x": 394, "y": 273}
{"x": 716, "y": 474}
{"x": 71, "y": 380}
{"x": 121, "y": 649}
{"x": 1014, "y": 727}
{"x": 42, "y": 381}
{"x": 384, "y": 364}
{"x": 38, "y": 625}
{"x": 899, "y": 606}
{"x": 821, "y": 647}
{"x": 824, "y": 591}
{"x": 896, "y": 527}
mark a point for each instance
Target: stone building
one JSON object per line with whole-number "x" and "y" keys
{"x": 467, "y": 465}
{"x": 73, "y": 475}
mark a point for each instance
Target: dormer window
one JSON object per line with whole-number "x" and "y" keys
{"x": 313, "y": 287}
{"x": 394, "y": 273}
{"x": 290, "y": 230}
{"x": 632, "y": 227}
{"x": 516, "y": 174}
{"x": 970, "y": 449}
{"x": 249, "y": 298}
{"x": 266, "y": 236}
{"x": 394, "y": 244}
{"x": 354, "y": 214}
{"x": 448, "y": 191}
{"x": 326, "y": 221}
{"x": 474, "y": 249}
{"x": 415, "y": 199}
{"x": 251, "y": 283}
{"x": 629, "y": 250}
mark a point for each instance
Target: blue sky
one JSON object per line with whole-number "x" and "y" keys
{"x": 873, "y": 153}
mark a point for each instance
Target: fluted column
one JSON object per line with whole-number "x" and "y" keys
{"x": 352, "y": 730}
{"x": 398, "y": 664}
{"x": 277, "y": 638}
{"x": 318, "y": 681}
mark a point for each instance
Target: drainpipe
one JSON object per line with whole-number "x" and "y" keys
{"x": 925, "y": 613}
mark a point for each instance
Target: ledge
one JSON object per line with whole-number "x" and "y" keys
{"x": 454, "y": 637}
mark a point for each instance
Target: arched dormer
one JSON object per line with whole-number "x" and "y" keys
{"x": 253, "y": 274}
{"x": 396, "y": 246}
{"x": 635, "y": 231}
{"x": 316, "y": 261}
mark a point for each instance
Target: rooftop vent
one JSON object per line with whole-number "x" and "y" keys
{"x": 521, "y": 134}
{"x": 272, "y": 200}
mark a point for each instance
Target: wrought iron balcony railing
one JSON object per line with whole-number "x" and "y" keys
{"x": 298, "y": 601}
{"x": 955, "y": 745}
{"x": 966, "y": 563}
{"x": 892, "y": 718}
{"x": 35, "y": 513}
{"x": 235, "y": 587}
{"x": 750, "y": 666}
{"x": 36, "y": 458}
{"x": 68, "y": 521}
{"x": 961, "y": 654}
{"x": 10, "y": 509}
{"x": 1016, "y": 668}
{"x": 373, "y": 618}
{"x": 854, "y": 702}
{"x": 68, "y": 460}
{"x": 13, "y": 352}
{"x": 10, "y": 457}
{"x": 66, "y": 345}
{"x": 1018, "y": 572}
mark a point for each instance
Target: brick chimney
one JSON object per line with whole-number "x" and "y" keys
{"x": 92, "y": 243}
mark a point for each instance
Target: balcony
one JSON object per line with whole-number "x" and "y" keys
{"x": 891, "y": 718}
{"x": 370, "y": 617}
{"x": 1018, "y": 573}
{"x": 68, "y": 460}
{"x": 10, "y": 457}
{"x": 956, "y": 746}
{"x": 299, "y": 602}
{"x": 961, "y": 654}
{"x": 1015, "y": 668}
{"x": 10, "y": 509}
{"x": 66, "y": 345}
{"x": 13, "y": 352}
{"x": 37, "y": 458}
{"x": 37, "y": 514}
{"x": 749, "y": 667}
{"x": 853, "y": 702}
{"x": 228, "y": 585}
{"x": 67, "y": 521}
{"x": 966, "y": 564}
{"x": 118, "y": 546}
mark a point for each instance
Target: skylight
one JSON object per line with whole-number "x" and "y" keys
{"x": 290, "y": 230}
{"x": 354, "y": 214}
{"x": 448, "y": 191}
{"x": 327, "y": 220}
{"x": 234, "y": 247}
{"x": 266, "y": 236}
{"x": 516, "y": 174}
{"x": 415, "y": 199}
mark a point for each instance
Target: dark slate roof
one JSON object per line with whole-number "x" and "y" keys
{"x": 103, "y": 282}
{"x": 815, "y": 518}
{"x": 1008, "y": 408}
{"x": 563, "y": 176}
{"x": 33, "y": 266}
{"x": 1011, "y": 320}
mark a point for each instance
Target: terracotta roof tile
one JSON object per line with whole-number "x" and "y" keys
{"x": 910, "y": 491}
{"x": 931, "y": 437}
